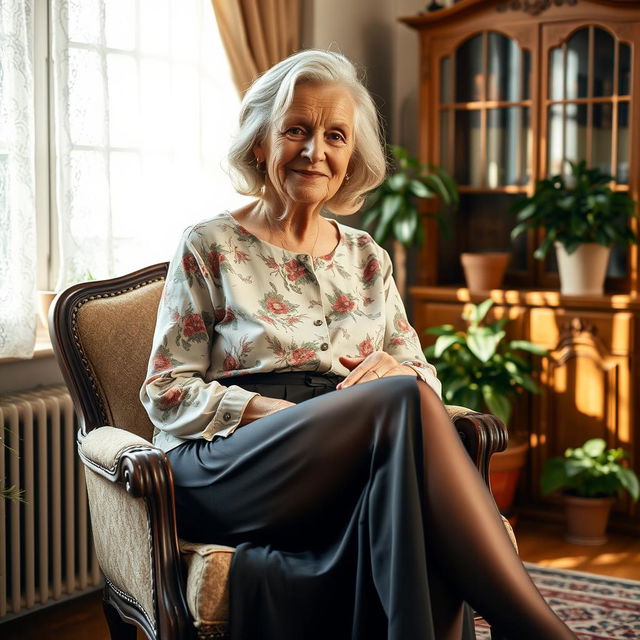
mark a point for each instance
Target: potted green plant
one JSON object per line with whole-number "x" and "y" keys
{"x": 481, "y": 369}
{"x": 392, "y": 209}
{"x": 583, "y": 217}
{"x": 590, "y": 477}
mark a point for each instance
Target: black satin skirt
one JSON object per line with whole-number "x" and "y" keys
{"x": 324, "y": 502}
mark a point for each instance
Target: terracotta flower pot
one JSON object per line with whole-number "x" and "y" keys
{"x": 587, "y": 519}
{"x": 504, "y": 473}
{"x": 484, "y": 271}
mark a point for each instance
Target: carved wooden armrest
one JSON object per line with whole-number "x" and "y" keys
{"x": 482, "y": 435}
{"x": 134, "y": 527}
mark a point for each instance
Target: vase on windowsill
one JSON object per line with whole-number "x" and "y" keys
{"x": 45, "y": 298}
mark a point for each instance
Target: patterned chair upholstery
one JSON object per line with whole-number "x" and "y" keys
{"x": 171, "y": 589}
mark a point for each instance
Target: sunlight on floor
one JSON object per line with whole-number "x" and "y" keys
{"x": 563, "y": 563}
{"x": 544, "y": 544}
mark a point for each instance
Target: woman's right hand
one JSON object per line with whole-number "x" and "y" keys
{"x": 261, "y": 406}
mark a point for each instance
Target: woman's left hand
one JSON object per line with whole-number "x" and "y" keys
{"x": 378, "y": 364}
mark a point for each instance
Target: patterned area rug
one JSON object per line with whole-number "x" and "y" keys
{"x": 594, "y": 607}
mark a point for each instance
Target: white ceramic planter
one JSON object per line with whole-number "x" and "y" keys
{"x": 582, "y": 273}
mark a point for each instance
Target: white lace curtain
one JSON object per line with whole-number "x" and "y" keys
{"x": 144, "y": 107}
{"x": 17, "y": 181}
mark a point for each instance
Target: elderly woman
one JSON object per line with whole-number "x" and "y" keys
{"x": 301, "y": 420}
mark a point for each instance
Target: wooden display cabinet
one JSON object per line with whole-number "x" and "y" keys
{"x": 510, "y": 90}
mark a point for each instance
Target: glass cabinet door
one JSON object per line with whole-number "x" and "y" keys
{"x": 587, "y": 117}
{"x": 588, "y": 106}
{"x": 485, "y": 143}
{"x": 484, "y": 137}
{"x": 485, "y": 111}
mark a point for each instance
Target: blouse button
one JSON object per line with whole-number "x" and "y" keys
{"x": 318, "y": 323}
{"x": 301, "y": 257}
{"x": 227, "y": 417}
{"x": 324, "y": 346}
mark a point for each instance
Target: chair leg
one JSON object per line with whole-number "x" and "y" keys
{"x": 118, "y": 628}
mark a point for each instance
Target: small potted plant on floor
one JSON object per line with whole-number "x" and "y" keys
{"x": 482, "y": 370}
{"x": 583, "y": 217}
{"x": 392, "y": 208}
{"x": 590, "y": 477}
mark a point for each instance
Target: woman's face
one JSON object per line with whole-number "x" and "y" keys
{"x": 307, "y": 153}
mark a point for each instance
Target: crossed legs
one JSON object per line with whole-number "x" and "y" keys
{"x": 471, "y": 543}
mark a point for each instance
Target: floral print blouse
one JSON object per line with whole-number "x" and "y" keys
{"x": 234, "y": 304}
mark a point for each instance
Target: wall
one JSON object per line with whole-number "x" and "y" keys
{"x": 27, "y": 374}
{"x": 41, "y": 370}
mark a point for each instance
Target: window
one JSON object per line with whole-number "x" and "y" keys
{"x": 115, "y": 119}
{"x": 17, "y": 203}
{"x": 143, "y": 109}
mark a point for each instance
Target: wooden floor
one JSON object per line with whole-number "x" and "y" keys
{"x": 82, "y": 619}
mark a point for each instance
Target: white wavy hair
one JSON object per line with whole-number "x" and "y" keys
{"x": 266, "y": 102}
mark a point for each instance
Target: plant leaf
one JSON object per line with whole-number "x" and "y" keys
{"x": 390, "y": 206}
{"x": 444, "y": 342}
{"x": 553, "y": 475}
{"x": 404, "y": 228}
{"x": 629, "y": 481}
{"x": 419, "y": 189}
{"x": 468, "y": 397}
{"x": 370, "y": 216}
{"x": 498, "y": 403}
{"x": 594, "y": 447}
{"x": 478, "y": 312}
{"x": 457, "y": 384}
{"x": 524, "y": 345}
{"x": 397, "y": 181}
{"x": 483, "y": 343}
{"x": 442, "y": 330}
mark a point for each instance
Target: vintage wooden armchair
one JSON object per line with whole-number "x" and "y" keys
{"x": 171, "y": 589}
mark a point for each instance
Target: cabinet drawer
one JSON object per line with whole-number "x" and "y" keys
{"x": 614, "y": 330}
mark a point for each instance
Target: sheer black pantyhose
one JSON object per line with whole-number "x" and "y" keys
{"x": 473, "y": 548}
{"x": 356, "y": 516}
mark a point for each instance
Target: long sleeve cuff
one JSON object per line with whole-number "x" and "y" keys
{"x": 229, "y": 412}
{"x": 426, "y": 375}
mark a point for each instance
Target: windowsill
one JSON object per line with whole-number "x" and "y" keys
{"x": 42, "y": 348}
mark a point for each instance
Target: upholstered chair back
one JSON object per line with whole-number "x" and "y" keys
{"x": 106, "y": 329}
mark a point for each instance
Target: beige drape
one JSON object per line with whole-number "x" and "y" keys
{"x": 256, "y": 34}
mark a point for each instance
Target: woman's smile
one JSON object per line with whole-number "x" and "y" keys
{"x": 309, "y": 174}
